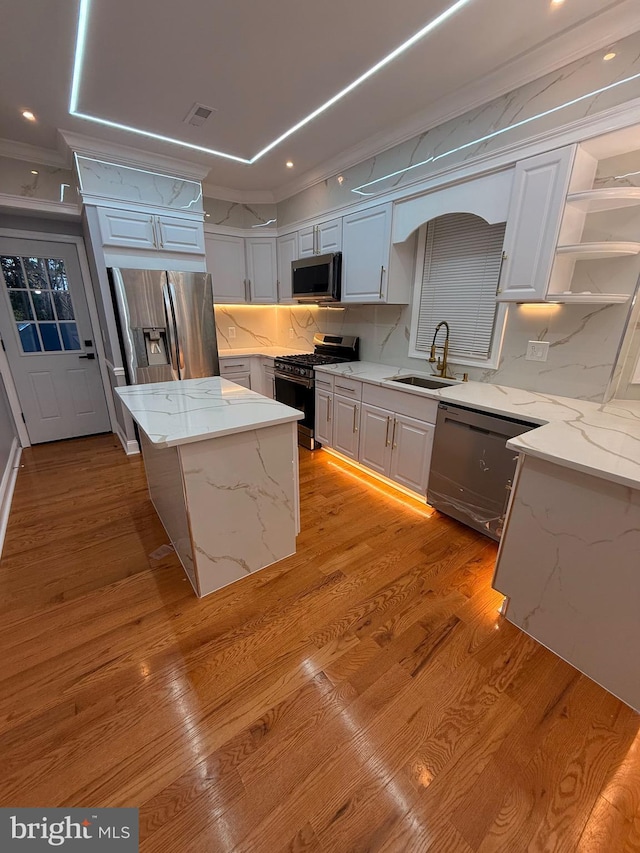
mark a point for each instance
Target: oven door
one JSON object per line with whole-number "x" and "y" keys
{"x": 299, "y": 393}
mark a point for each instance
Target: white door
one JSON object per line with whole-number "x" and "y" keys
{"x": 307, "y": 242}
{"x": 262, "y": 269}
{"x": 366, "y": 238}
{"x": 329, "y": 236}
{"x": 411, "y": 454}
{"x": 287, "y": 252}
{"x": 226, "y": 263}
{"x": 375, "y": 438}
{"x": 47, "y": 335}
{"x": 180, "y": 235}
{"x": 127, "y": 228}
{"x": 324, "y": 403}
{"x": 346, "y": 425}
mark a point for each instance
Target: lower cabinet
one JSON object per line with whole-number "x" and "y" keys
{"x": 389, "y": 441}
{"x": 236, "y": 370}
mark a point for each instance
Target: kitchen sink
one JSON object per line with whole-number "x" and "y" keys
{"x": 422, "y": 381}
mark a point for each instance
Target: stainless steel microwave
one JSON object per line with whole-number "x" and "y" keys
{"x": 317, "y": 279}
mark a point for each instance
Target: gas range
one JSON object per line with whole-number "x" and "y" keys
{"x": 295, "y": 378}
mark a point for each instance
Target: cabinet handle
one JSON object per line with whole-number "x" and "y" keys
{"x": 393, "y": 435}
{"x": 502, "y": 260}
{"x": 355, "y": 417}
{"x": 329, "y": 404}
{"x": 381, "y": 279}
{"x": 315, "y": 240}
{"x": 386, "y": 435}
{"x": 240, "y": 366}
{"x": 160, "y": 240}
{"x": 247, "y": 290}
{"x": 155, "y": 233}
{"x": 344, "y": 388}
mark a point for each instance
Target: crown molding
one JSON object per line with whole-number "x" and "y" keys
{"x": 33, "y": 154}
{"x": 90, "y": 146}
{"x": 240, "y": 196}
{"x": 609, "y": 28}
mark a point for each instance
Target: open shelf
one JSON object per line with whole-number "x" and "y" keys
{"x": 589, "y": 298}
{"x": 608, "y": 198}
{"x": 594, "y": 251}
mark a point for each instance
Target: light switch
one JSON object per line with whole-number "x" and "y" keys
{"x": 537, "y": 351}
{"x": 232, "y": 331}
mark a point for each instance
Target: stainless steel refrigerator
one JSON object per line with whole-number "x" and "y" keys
{"x": 167, "y": 327}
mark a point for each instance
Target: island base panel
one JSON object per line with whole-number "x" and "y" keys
{"x": 242, "y": 495}
{"x": 569, "y": 563}
{"x": 164, "y": 478}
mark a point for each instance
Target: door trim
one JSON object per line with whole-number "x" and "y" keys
{"x": 93, "y": 319}
{"x": 7, "y": 485}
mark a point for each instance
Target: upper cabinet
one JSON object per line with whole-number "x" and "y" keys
{"x": 556, "y": 224}
{"x": 149, "y": 231}
{"x": 287, "y": 251}
{"x": 533, "y": 225}
{"x": 374, "y": 270}
{"x": 320, "y": 239}
{"x": 243, "y": 270}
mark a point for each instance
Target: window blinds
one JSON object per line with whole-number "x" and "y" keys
{"x": 462, "y": 260}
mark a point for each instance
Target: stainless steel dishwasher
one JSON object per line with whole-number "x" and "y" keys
{"x": 471, "y": 468}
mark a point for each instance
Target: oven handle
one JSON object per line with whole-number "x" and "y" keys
{"x": 297, "y": 380}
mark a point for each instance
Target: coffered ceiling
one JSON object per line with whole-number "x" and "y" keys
{"x": 265, "y": 67}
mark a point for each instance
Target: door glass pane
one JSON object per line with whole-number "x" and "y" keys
{"x": 64, "y": 308}
{"x": 43, "y": 306}
{"x": 36, "y": 274}
{"x": 70, "y": 338}
{"x": 12, "y": 271}
{"x": 57, "y": 274}
{"x": 50, "y": 337}
{"x": 29, "y": 337}
{"x": 21, "y": 305}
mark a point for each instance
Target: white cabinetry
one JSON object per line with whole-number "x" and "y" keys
{"x": 365, "y": 255}
{"x": 320, "y": 239}
{"x": 376, "y": 426}
{"x": 242, "y": 270}
{"x": 287, "y": 251}
{"x": 141, "y": 230}
{"x": 538, "y": 196}
{"x": 236, "y": 369}
{"x": 324, "y": 422}
{"x": 345, "y": 415}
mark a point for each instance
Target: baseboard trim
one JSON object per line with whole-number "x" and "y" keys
{"x": 130, "y": 447}
{"x": 7, "y": 485}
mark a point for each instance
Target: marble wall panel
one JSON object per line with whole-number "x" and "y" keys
{"x": 125, "y": 183}
{"x": 237, "y": 215}
{"x": 50, "y": 183}
{"x": 549, "y": 102}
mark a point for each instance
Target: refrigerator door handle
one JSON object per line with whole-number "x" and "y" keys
{"x": 172, "y": 332}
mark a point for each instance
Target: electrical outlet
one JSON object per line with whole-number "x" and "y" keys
{"x": 292, "y": 334}
{"x": 232, "y": 332}
{"x": 537, "y": 351}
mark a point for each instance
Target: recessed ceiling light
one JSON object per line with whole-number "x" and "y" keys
{"x": 557, "y": 2}
{"x": 289, "y": 164}
{"x": 34, "y": 172}
{"x": 28, "y": 115}
{"x": 609, "y": 56}
{"x": 341, "y": 179}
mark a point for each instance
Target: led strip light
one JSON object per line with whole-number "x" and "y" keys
{"x": 79, "y": 57}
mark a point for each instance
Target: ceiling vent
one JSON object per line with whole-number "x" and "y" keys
{"x": 198, "y": 114}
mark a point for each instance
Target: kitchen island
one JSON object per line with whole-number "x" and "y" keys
{"x": 222, "y": 468}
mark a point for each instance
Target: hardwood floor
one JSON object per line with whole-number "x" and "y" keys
{"x": 363, "y": 695}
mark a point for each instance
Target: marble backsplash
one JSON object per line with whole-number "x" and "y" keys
{"x": 238, "y": 215}
{"x": 584, "y": 340}
{"x": 582, "y": 88}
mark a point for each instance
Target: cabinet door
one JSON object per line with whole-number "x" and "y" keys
{"x": 180, "y": 235}
{"x": 307, "y": 242}
{"x": 287, "y": 251}
{"x": 243, "y": 379}
{"x": 226, "y": 263}
{"x": 375, "y": 438}
{"x": 346, "y": 425}
{"x": 366, "y": 241}
{"x": 323, "y": 423}
{"x": 329, "y": 237}
{"x": 262, "y": 271}
{"x": 127, "y": 228}
{"x": 537, "y": 203}
{"x": 411, "y": 453}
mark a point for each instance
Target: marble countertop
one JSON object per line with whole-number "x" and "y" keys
{"x": 172, "y": 413}
{"x": 270, "y": 352}
{"x": 602, "y": 439}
